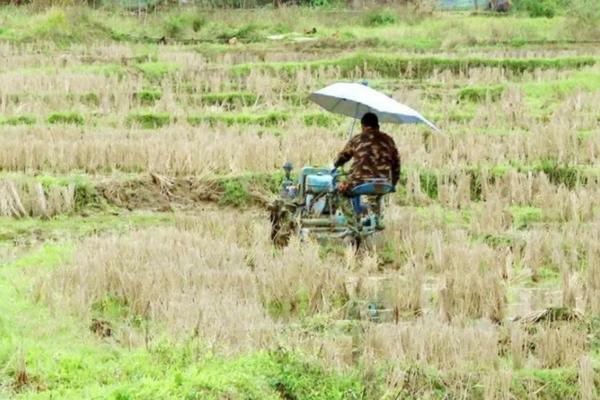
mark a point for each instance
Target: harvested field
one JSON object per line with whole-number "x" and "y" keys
{"x": 138, "y": 154}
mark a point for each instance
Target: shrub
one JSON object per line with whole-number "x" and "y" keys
{"x": 234, "y": 194}
{"x": 149, "y": 120}
{"x": 246, "y": 33}
{"x": 585, "y": 14}
{"x": 539, "y": 8}
{"x": 66, "y": 118}
{"x": 198, "y": 21}
{"x": 174, "y": 26}
{"x": 380, "y": 18}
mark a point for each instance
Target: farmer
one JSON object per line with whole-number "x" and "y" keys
{"x": 375, "y": 155}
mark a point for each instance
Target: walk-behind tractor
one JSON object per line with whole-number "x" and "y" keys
{"x": 313, "y": 206}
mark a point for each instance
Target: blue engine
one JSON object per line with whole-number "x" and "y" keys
{"x": 315, "y": 180}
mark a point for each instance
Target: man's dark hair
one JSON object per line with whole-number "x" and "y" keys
{"x": 370, "y": 120}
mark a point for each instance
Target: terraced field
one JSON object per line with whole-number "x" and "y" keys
{"x": 137, "y": 154}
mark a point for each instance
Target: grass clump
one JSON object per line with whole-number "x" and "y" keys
{"x": 18, "y": 120}
{"x": 228, "y": 98}
{"x": 479, "y": 94}
{"x": 148, "y": 120}
{"x": 90, "y": 99}
{"x": 234, "y": 193}
{"x": 380, "y": 18}
{"x": 182, "y": 26}
{"x": 523, "y": 217}
{"x": 270, "y": 119}
{"x": 557, "y": 173}
{"x": 320, "y": 119}
{"x": 72, "y": 117}
{"x": 55, "y": 26}
{"x": 539, "y": 8}
{"x": 246, "y": 33}
{"x": 85, "y": 193}
{"x": 148, "y": 96}
{"x": 559, "y": 383}
{"x": 156, "y": 70}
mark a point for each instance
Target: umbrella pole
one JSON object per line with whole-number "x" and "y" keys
{"x": 353, "y": 122}
{"x": 352, "y": 128}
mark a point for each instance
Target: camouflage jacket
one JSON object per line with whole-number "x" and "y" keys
{"x": 375, "y": 156}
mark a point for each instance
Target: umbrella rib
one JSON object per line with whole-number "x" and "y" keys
{"x": 337, "y": 104}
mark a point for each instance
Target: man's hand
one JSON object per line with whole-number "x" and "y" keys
{"x": 342, "y": 187}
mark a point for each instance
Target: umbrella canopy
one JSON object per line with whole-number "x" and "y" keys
{"x": 356, "y": 99}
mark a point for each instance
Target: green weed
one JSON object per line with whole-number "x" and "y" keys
{"x": 47, "y": 256}
{"x": 18, "y": 120}
{"x": 539, "y": 8}
{"x": 148, "y": 96}
{"x": 557, "y": 173}
{"x": 523, "y": 217}
{"x": 156, "y": 70}
{"x": 320, "y": 119}
{"x": 148, "y": 120}
{"x": 552, "y": 383}
{"x": 270, "y": 119}
{"x": 245, "y": 33}
{"x": 228, "y": 98}
{"x": 66, "y": 118}
{"x": 380, "y": 18}
{"x": 234, "y": 194}
{"x": 91, "y": 99}
{"x": 478, "y": 94}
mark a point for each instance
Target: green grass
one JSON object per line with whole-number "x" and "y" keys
{"x": 416, "y": 67}
{"x": 270, "y": 119}
{"x": 156, "y": 70}
{"x": 524, "y": 217}
{"x": 90, "y": 99}
{"x": 69, "y": 117}
{"x": 148, "y": 96}
{"x": 385, "y": 28}
{"x": 227, "y": 98}
{"x": 480, "y": 94}
{"x": 18, "y": 120}
{"x": 60, "y": 357}
{"x": 76, "y": 226}
{"x": 148, "y": 120}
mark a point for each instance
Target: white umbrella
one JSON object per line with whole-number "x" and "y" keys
{"x": 356, "y": 99}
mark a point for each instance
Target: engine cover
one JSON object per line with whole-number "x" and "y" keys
{"x": 319, "y": 183}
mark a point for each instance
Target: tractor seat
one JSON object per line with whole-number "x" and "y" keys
{"x": 376, "y": 186}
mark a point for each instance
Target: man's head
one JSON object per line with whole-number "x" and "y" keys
{"x": 369, "y": 121}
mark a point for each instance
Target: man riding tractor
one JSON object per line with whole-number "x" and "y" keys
{"x": 317, "y": 204}
{"x": 374, "y": 155}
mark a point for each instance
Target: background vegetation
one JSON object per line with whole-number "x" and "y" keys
{"x": 140, "y": 147}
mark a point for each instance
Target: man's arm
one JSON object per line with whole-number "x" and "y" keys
{"x": 346, "y": 154}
